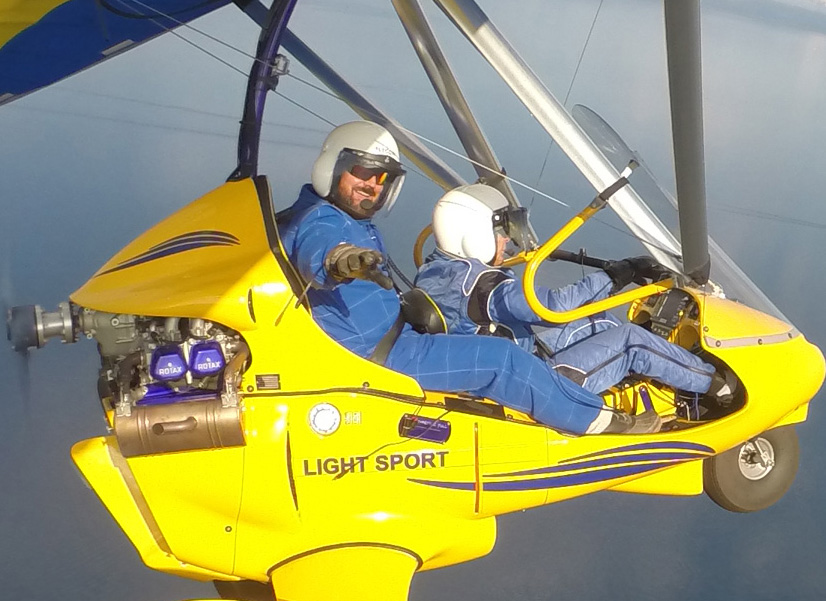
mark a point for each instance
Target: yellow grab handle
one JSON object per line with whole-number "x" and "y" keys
{"x": 544, "y": 251}
{"x": 418, "y": 258}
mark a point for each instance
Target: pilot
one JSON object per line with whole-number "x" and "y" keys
{"x": 330, "y": 239}
{"x": 472, "y": 225}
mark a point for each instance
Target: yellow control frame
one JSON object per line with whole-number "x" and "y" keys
{"x": 534, "y": 260}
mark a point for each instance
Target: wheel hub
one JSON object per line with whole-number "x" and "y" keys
{"x": 756, "y": 458}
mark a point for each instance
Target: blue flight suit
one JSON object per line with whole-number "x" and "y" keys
{"x": 595, "y": 352}
{"x": 357, "y": 314}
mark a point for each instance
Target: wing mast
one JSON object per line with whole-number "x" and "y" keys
{"x": 682, "y": 35}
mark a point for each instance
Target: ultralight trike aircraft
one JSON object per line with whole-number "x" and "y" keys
{"x": 229, "y": 462}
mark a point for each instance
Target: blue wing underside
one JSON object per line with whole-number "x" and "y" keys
{"x": 73, "y": 35}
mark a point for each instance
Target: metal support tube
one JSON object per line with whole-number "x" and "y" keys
{"x": 554, "y": 118}
{"x": 414, "y": 150}
{"x": 259, "y": 83}
{"x": 450, "y": 95}
{"x": 232, "y": 376}
{"x": 420, "y": 155}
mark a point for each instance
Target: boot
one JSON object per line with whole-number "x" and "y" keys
{"x": 723, "y": 386}
{"x": 644, "y": 423}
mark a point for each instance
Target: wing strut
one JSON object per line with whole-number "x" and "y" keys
{"x": 447, "y": 89}
{"x": 414, "y": 150}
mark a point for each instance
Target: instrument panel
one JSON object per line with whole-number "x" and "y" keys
{"x": 663, "y": 313}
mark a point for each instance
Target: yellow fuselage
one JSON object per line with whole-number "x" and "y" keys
{"x": 289, "y": 499}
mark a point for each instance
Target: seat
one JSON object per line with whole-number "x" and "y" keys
{"x": 419, "y": 310}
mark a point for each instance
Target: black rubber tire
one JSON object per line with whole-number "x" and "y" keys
{"x": 725, "y": 483}
{"x": 244, "y": 590}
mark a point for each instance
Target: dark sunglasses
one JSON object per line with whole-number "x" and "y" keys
{"x": 366, "y": 173}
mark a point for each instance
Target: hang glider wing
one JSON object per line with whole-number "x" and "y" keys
{"x": 44, "y": 41}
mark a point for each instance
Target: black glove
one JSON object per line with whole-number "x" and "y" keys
{"x": 346, "y": 261}
{"x": 639, "y": 270}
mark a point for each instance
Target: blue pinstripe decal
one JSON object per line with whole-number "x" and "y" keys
{"x": 574, "y": 479}
{"x": 442, "y": 484}
{"x": 606, "y": 461}
{"x": 178, "y": 244}
{"x": 601, "y": 466}
{"x": 645, "y": 446}
{"x": 553, "y": 481}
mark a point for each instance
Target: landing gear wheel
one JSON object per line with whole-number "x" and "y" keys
{"x": 753, "y": 475}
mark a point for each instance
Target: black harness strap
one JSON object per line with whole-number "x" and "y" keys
{"x": 574, "y": 375}
{"x": 387, "y": 341}
{"x": 477, "y": 306}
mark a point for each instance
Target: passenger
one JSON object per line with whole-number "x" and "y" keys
{"x": 476, "y": 296}
{"x": 330, "y": 239}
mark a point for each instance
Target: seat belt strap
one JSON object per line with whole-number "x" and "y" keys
{"x": 387, "y": 341}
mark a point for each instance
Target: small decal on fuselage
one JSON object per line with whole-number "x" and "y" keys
{"x": 390, "y": 462}
{"x": 268, "y": 381}
{"x": 424, "y": 428}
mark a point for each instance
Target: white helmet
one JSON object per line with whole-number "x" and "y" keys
{"x": 463, "y": 221}
{"x": 467, "y": 219}
{"x": 367, "y": 145}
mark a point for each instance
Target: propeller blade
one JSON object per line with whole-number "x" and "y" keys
{"x": 24, "y": 382}
{"x": 13, "y": 334}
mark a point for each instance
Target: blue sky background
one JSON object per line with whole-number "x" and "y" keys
{"x": 92, "y": 162}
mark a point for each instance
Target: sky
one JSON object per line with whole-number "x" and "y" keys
{"x": 92, "y": 162}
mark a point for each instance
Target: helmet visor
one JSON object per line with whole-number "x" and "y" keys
{"x": 512, "y": 222}
{"x": 379, "y": 174}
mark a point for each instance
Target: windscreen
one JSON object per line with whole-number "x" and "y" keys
{"x": 725, "y": 275}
